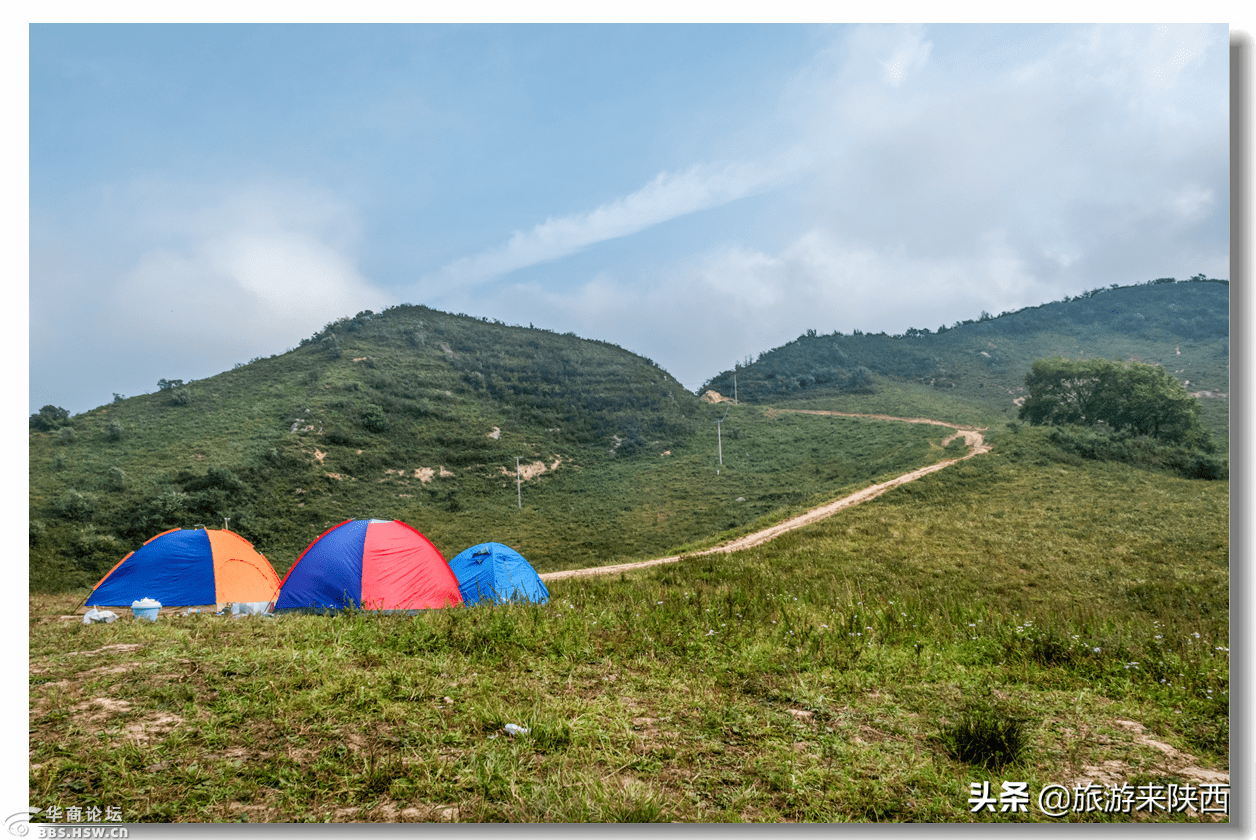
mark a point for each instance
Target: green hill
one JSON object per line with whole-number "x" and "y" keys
{"x": 981, "y": 364}
{"x": 423, "y": 416}
{"x": 419, "y": 415}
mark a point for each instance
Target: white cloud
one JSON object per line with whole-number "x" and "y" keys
{"x": 242, "y": 273}
{"x": 909, "y": 55}
{"x": 667, "y": 196}
{"x": 1190, "y": 202}
{"x": 262, "y": 262}
{"x": 699, "y": 318}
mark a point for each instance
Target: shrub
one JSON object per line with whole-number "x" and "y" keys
{"x": 116, "y": 480}
{"x": 331, "y": 346}
{"x": 374, "y": 419}
{"x": 75, "y": 506}
{"x": 1104, "y": 444}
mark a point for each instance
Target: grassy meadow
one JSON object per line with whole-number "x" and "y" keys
{"x": 1021, "y": 616}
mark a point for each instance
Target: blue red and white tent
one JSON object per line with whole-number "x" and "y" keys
{"x": 369, "y": 564}
{"x": 185, "y": 568}
{"x": 496, "y": 573}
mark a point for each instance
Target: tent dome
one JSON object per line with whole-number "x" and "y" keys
{"x": 497, "y": 573}
{"x": 370, "y": 564}
{"x": 185, "y": 568}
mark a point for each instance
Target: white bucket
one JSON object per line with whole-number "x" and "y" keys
{"x": 146, "y": 609}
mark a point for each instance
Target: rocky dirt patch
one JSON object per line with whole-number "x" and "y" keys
{"x": 1172, "y": 762}
{"x": 536, "y": 468}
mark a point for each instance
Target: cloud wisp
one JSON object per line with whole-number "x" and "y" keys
{"x": 668, "y": 196}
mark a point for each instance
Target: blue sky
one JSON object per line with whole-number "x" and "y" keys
{"x": 204, "y": 194}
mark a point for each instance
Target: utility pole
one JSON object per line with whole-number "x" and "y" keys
{"x": 720, "y": 440}
{"x": 719, "y": 436}
{"x": 224, "y": 523}
{"x": 518, "y": 482}
{"x": 734, "y": 387}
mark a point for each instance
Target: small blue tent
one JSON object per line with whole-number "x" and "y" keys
{"x": 496, "y": 573}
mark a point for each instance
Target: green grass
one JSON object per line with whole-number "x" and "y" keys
{"x": 589, "y": 511}
{"x": 820, "y": 677}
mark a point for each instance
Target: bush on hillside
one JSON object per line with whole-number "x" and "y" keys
{"x": 1104, "y": 444}
{"x": 374, "y": 419}
{"x": 48, "y": 418}
{"x": 74, "y": 506}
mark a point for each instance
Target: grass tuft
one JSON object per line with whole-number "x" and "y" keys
{"x": 988, "y": 733}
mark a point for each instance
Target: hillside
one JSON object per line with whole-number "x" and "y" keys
{"x": 419, "y": 415}
{"x": 831, "y": 675}
{"x": 1183, "y": 326}
{"x": 1026, "y": 614}
{"x": 422, "y": 416}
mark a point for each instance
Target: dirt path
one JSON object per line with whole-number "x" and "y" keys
{"x": 972, "y": 436}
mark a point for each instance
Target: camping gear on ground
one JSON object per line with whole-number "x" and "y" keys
{"x": 189, "y": 568}
{"x": 253, "y": 608}
{"x": 95, "y": 616}
{"x": 369, "y": 564}
{"x": 496, "y": 573}
{"x": 146, "y": 609}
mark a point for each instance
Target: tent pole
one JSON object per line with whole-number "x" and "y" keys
{"x": 84, "y": 601}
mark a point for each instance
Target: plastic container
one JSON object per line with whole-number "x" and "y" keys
{"x": 145, "y": 609}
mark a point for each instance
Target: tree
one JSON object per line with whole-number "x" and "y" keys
{"x": 1136, "y": 398}
{"x": 1062, "y": 392}
{"x": 49, "y": 417}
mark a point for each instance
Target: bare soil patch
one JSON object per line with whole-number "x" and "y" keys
{"x": 536, "y": 468}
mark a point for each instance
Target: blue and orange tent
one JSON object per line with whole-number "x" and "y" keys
{"x": 495, "y": 573}
{"x": 369, "y": 564}
{"x": 186, "y": 568}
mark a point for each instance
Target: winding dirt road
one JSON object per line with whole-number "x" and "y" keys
{"x": 972, "y": 436}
